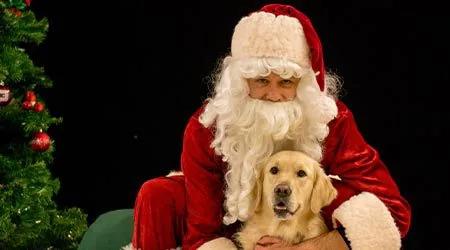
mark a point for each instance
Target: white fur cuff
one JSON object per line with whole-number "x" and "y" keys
{"x": 368, "y": 223}
{"x": 174, "y": 173}
{"x": 218, "y": 244}
{"x": 129, "y": 247}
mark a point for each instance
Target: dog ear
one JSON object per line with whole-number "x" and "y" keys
{"x": 323, "y": 192}
{"x": 256, "y": 194}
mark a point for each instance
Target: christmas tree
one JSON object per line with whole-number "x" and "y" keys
{"x": 29, "y": 216}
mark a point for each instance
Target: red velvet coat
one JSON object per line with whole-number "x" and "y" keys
{"x": 347, "y": 155}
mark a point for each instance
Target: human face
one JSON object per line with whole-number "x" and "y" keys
{"x": 273, "y": 88}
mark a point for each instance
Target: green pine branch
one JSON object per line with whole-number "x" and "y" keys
{"x": 28, "y": 120}
{"x": 15, "y": 64}
{"x": 20, "y": 70}
{"x": 29, "y": 217}
{"x": 18, "y": 4}
{"x": 22, "y": 29}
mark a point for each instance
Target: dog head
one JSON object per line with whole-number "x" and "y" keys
{"x": 291, "y": 183}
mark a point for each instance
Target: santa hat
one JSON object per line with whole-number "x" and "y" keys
{"x": 280, "y": 31}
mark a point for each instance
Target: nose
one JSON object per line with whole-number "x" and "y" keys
{"x": 282, "y": 190}
{"x": 274, "y": 95}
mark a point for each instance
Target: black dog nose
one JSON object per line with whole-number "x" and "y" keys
{"x": 282, "y": 190}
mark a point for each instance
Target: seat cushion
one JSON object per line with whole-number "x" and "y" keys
{"x": 111, "y": 230}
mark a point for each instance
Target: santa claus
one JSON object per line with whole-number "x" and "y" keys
{"x": 271, "y": 93}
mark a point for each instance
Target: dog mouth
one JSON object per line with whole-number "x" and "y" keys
{"x": 281, "y": 209}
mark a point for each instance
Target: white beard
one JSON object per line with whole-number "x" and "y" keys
{"x": 261, "y": 129}
{"x": 247, "y": 131}
{"x": 252, "y": 130}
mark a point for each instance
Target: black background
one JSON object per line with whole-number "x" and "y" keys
{"x": 128, "y": 74}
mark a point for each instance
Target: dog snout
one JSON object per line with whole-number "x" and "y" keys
{"x": 282, "y": 190}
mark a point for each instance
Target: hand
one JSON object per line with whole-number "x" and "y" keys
{"x": 327, "y": 241}
{"x": 270, "y": 242}
{"x": 330, "y": 240}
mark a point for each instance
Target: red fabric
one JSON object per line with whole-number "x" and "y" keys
{"x": 347, "y": 155}
{"x": 204, "y": 172}
{"x": 359, "y": 166}
{"x": 311, "y": 37}
{"x": 159, "y": 214}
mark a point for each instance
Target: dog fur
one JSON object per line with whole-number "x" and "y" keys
{"x": 289, "y": 193}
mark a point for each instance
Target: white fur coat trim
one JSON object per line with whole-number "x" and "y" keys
{"x": 129, "y": 247}
{"x": 368, "y": 223}
{"x": 174, "y": 173}
{"x": 221, "y": 243}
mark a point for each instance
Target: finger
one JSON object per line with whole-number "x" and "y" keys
{"x": 271, "y": 247}
{"x": 269, "y": 240}
{"x": 276, "y": 246}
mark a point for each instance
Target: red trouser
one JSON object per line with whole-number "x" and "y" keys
{"x": 159, "y": 214}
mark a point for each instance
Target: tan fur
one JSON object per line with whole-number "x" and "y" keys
{"x": 309, "y": 195}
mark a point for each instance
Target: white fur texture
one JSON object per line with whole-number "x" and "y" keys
{"x": 263, "y": 34}
{"x": 368, "y": 223}
{"x": 221, "y": 243}
{"x": 129, "y": 247}
{"x": 174, "y": 173}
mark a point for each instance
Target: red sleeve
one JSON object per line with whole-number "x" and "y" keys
{"x": 204, "y": 186}
{"x": 360, "y": 168}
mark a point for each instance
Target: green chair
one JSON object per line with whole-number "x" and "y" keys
{"x": 110, "y": 231}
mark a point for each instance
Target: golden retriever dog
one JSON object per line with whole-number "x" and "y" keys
{"x": 288, "y": 196}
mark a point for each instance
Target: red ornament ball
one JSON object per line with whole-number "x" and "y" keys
{"x": 38, "y": 107}
{"x": 30, "y": 96}
{"x": 27, "y": 105}
{"x": 16, "y": 12}
{"x": 40, "y": 142}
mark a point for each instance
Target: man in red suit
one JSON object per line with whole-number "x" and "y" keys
{"x": 271, "y": 93}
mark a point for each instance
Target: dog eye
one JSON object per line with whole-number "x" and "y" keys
{"x": 274, "y": 170}
{"x": 301, "y": 173}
